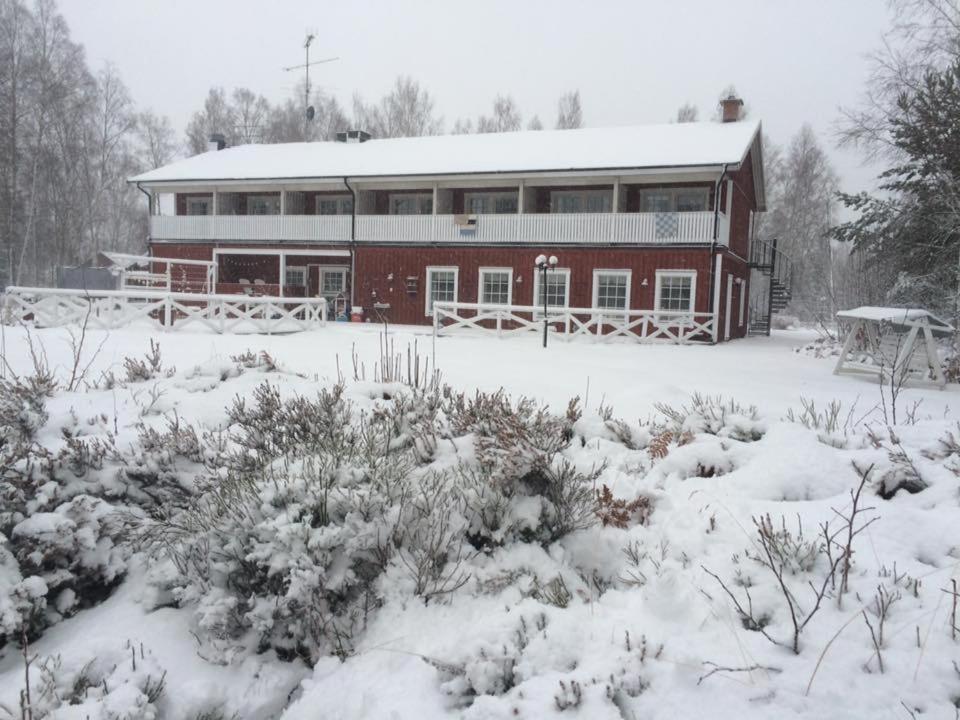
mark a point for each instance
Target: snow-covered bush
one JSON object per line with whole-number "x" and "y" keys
{"x": 715, "y": 416}
{"x": 150, "y": 367}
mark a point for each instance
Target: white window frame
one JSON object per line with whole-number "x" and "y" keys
{"x": 341, "y": 269}
{"x": 483, "y": 271}
{"x": 674, "y": 319}
{"x": 417, "y": 196}
{"x": 270, "y": 198}
{"x": 340, "y": 200}
{"x": 596, "y": 288}
{"x": 302, "y": 269}
{"x": 428, "y": 305}
{"x": 585, "y": 193}
{"x": 208, "y": 199}
{"x": 673, "y": 192}
{"x": 490, "y": 200}
{"x": 537, "y": 275}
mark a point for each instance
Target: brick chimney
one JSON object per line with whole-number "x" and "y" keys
{"x": 730, "y": 108}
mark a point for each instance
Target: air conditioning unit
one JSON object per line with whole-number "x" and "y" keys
{"x": 465, "y": 222}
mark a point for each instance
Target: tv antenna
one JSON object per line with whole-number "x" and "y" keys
{"x": 308, "y": 111}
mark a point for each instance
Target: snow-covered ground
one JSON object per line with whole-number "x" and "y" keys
{"x": 640, "y": 632}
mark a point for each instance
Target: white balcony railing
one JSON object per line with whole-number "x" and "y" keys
{"x": 581, "y": 228}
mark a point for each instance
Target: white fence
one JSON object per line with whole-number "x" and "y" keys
{"x": 251, "y": 227}
{"x": 567, "y": 323}
{"x": 578, "y": 228}
{"x": 111, "y": 309}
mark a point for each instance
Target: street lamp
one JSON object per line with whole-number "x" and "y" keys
{"x": 543, "y": 264}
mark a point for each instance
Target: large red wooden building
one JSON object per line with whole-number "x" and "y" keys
{"x": 652, "y": 218}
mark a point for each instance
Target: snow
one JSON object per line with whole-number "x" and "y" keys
{"x": 889, "y": 314}
{"x": 495, "y": 650}
{"x": 644, "y": 146}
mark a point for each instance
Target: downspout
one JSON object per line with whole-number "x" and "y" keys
{"x": 713, "y": 242}
{"x": 353, "y": 244}
{"x": 149, "y": 215}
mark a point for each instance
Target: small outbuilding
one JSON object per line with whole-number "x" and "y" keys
{"x": 898, "y": 342}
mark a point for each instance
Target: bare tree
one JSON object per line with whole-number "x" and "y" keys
{"x": 505, "y": 117}
{"x": 687, "y": 113}
{"x": 217, "y": 116}
{"x": 535, "y": 123}
{"x": 287, "y": 120}
{"x": 569, "y": 111}
{"x": 462, "y": 127}
{"x": 157, "y": 140}
{"x": 406, "y": 111}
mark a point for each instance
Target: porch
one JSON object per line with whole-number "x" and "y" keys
{"x": 600, "y": 228}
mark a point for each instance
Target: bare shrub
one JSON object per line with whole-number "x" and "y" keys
{"x": 150, "y": 367}
{"x": 620, "y": 513}
{"x": 715, "y": 416}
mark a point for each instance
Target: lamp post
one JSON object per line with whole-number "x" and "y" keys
{"x": 543, "y": 264}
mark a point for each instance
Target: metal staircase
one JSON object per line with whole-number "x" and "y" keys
{"x": 777, "y": 268}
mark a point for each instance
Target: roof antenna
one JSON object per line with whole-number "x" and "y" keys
{"x": 308, "y": 112}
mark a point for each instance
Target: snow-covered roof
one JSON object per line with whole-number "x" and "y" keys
{"x": 893, "y": 315}
{"x": 675, "y": 145}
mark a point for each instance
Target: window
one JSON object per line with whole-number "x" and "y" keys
{"x": 295, "y": 276}
{"x": 202, "y": 205}
{"x": 496, "y": 286}
{"x": 557, "y": 288}
{"x": 263, "y": 204}
{"x": 411, "y": 204}
{"x": 675, "y": 290}
{"x": 333, "y": 282}
{"x": 477, "y": 203}
{"x": 668, "y": 200}
{"x": 611, "y": 289}
{"x": 579, "y": 201}
{"x": 334, "y": 205}
{"x": 441, "y": 286}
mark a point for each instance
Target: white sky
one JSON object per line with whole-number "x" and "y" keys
{"x": 634, "y": 61}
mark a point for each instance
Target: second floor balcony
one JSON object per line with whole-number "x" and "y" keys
{"x": 589, "y": 228}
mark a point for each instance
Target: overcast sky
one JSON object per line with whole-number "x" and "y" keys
{"x": 634, "y": 61}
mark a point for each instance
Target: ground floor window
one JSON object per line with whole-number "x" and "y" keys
{"x": 557, "y": 288}
{"x": 675, "y": 290}
{"x": 496, "y": 286}
{"x": 441, "y": 286}
{"x": 295, "y": 276}
{"x": 333, "y": 282}
{"x": 611, "y": 289}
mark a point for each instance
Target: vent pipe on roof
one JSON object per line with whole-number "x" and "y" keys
{"x": 353, "y": 136}
{"x": 217, "y": 142}
{"x": 731, "y": 107}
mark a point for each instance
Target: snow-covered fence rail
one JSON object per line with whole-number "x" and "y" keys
{"x": 111, "y": 309}
{"x": 600, "y": 324}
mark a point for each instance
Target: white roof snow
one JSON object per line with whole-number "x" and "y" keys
{"x": 672, "y": 145}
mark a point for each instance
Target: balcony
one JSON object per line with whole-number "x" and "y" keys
{"x": 676, "y": 228}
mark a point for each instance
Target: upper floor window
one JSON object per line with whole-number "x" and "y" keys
{"x": 496, "y": 286}
{"x": 334, "y": 205}
{"x": 199, "y": 205}
{"x": 411, "y": 204}
{"x": 479, "y": 203}
{"x": 660, "y": 200}
{"x": 263, "y": 204}
{"x": 581, "y": 201}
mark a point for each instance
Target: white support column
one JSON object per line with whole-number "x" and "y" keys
{"x": 728, "y": 308}
{"x": 216, "y": 202}
{"x": 436, "y": 197}
{"x": 615, "y": 205}
{"x": 283, "y": 201}
{"x": 520, "y": 197}
{"x": 717, "y": 276}
{"x": 283, "y": 270}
